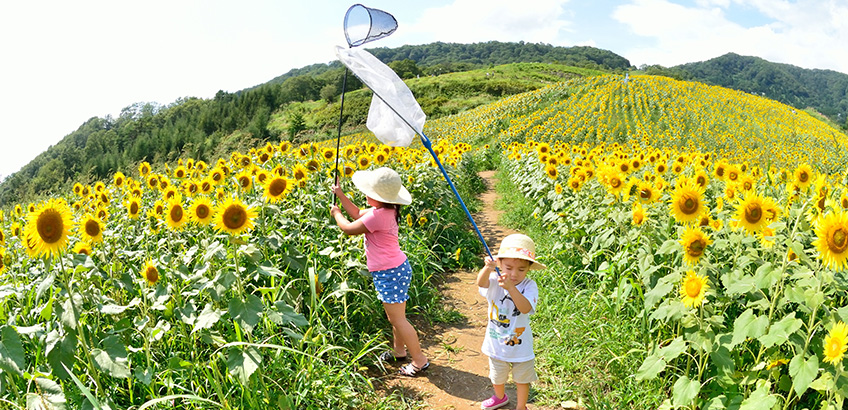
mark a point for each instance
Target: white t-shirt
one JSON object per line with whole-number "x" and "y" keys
{"x": 508, "y": 335}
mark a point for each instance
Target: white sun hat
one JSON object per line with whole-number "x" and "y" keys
{"x": 520, "y": 246}
{"x": 382, "y": 184}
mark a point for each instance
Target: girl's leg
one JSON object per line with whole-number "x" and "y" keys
{"x": 522, "y": 391}
{"x": 404, "y": 333}
{"x": 500, "y": 390}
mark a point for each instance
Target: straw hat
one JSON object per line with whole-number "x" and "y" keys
{"x": 520, "y": 247}
{"x": 382, "y": 184}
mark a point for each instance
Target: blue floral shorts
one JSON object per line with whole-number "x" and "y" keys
{"x": 392, "y": 284}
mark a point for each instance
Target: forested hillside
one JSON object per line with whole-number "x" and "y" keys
{"x": 298, "y": 106}
{"x": 826, "y": 91}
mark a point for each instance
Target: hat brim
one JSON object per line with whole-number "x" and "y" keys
{"x": 534, "y": 265}
{"x": 363, "y": 183}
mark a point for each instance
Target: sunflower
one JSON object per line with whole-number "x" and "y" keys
{"x": 558, "y": 189}
{"x": 150, "y": 272}
{"x": 720, "y": 170}
{"x": 48, "y": 227}
{"x": 687, "y": 203}
{"x": 263, "y": 156}
{"x": 2, "y": 259}
{"x": 144, "y": 169}
{"x": 348, "y": 169}
{"x": 206, "y": 185}
{"x": 201, "y": 211}
{"x": 832, "y": 242}
{"x": 299, "y": 172}
{"x": 694, "y": 242}
{"x": 216, "y": 175}
{"x": 276, "y": 188}
{"x": 701, "y": 179}
{"x": 363, "y": 161}
{"x": 646, "y": 193}
{"x": 638, "y": 214}
{"x": 615, "y": 184}
{"x": 175, "y": 215}
{"x": 750, "y": 213}
{"x": 77, "y": 189}
{"x": 91, "y": 229}
{"x": 693, "y": 289}
{"x": 180, "y": 172}
{"x": 118, "y": 179}
{"x": 328, "y": 154}
{"x": 234, "y": 217}
{"x": 169, "y": 193}
{"x": 574, "y": 183}
{"x": 422, "y": 220}
{"x": 152, "y": 181}
{"x": 836, "y": 343}
{"x": 83, "y": 248}
{"x": 551, "y": 171}
{"x": 133, "y": 207}
{"x": 245, "y": 180}
{"x": 803, "y": 176}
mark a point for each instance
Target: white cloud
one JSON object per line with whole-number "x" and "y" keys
{"x": 470, "y": 21}
{"x": 809, "y": 34}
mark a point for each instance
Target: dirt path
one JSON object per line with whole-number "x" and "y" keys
{"x": 458, "y": 374}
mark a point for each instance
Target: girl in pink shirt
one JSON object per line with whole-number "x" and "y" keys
{"x": 388, "y": 265}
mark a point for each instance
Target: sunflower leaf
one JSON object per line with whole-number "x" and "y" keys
{"x": 11, "y": 351}
{"x": 760, "y": 399}
{"x": 779, "y": 332}
{"x": 651, "y": 367}
{"x": 748, "y": 325}
{"x": 243, "y": 362}
{"x": 662, "y": 288}
{"x": 803, "y": 372}
{"x": 669, "y": 246}
{"x": 685, "y": 391}
{"x": 766, "y": 276}
{"x": 674, "y": 349}
{"x": 246, "y": 312}
{"x": 207, "y": 318}
{"x": 112, "y": 358}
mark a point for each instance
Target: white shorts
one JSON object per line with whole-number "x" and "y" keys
{"x": 522, "y": 372}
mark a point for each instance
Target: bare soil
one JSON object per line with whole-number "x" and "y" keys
{"x": 458, "y": 374}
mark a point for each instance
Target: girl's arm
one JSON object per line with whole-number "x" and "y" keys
{"x": 347, "y": 204}
{"x": 483, "y": 275}
{"x": 350, "y": 228}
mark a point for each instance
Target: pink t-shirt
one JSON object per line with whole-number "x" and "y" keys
{"x": 382, "y": 250}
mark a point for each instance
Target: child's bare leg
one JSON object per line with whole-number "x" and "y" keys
{"x": 499, "y": 390}
{"x": 404, "y": 333}
{"x": 522, "y": 392}
{"x": 398, "y": 346}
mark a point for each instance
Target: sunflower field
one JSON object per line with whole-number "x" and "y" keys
{"x": 218, "y": 285}
{"x": 723, "y": 229}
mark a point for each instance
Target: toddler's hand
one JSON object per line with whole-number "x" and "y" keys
{"x": 505, "y": 282}
{"x": 490, "y": 262}
{"x": 334, "y": 210}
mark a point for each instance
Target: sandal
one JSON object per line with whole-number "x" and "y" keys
{"x": 389, "y": 357}
{"x": 411, "y": 370}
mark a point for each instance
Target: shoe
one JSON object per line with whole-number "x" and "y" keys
{"x": 494, "y": 402}
{"x": 389, "y": 357}
{"x": 411, "y": 370}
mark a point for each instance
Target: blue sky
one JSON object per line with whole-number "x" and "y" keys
{"x": 65, "y": 62}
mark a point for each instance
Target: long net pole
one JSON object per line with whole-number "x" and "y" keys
{"x": 339, "y": 133}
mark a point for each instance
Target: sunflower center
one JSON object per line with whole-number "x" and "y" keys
{"x": 689, "y": 205}
{"x": 696, "y": 248}
{"x": 202, "y": 211}
{"x": 838, "y": 240}
{"x": 244, "y": 182}
{"x": 820, "y": 203}
{"x": 134, "y": 208}
{"x": 92, "y": 228}
{"x": 151, "y": 274}
{"x": 615, "y": 183}
{"x": 645, "y": 193}
{"x": 277, "y": 187}
{"x": 234, "y": 217}
{"x": 50, "y": 226}
{"x": 753, "y": 213}
{"x": 693, "y": 288}
{"x": 803, "y": 176}
{"x": 177, "y": 213}
{"x": 299, "y": 175}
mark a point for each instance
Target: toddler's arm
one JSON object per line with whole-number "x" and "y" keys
{"x": 483, "y": 275}
{"x": 347, "y": 204}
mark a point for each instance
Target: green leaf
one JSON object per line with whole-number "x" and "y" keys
{"x": 760, "y": 399}
{"x": 246, "y": 312}
{"x": 685, "y": 391}
{"x": 739, "y": 285}
{"x": 663, "y": 286}
{"x": 669, "y": 246}
{"x": 69, "y": 315}
{"x": 207, "y": 318}
{"x": 11, "y": 351}
{"x": 243, "y": 362}
{"x": 823, "y": 384}
{"x": 49, "y": 393}
{"x": 282, "y": 314}
{"x": 766, "y": 276}
{"x": 748, "y": 325}
{"x": 674, "y": 349}
{"x": 779, "y": 332}
{"x": 113, "y": 358}
{"x": 60, "y": 352}
{"x": 144, "y": 375}
{"x": 803, "y": 372}
{"x": 651, "y": 367}
{"x": 269, "y": 271}
{"x": 722, "y": 358}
